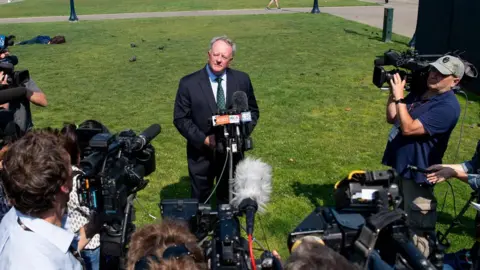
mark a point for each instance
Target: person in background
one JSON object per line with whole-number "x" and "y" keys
{"x": 43, "y": 40}
{"x": 271, "y": 2}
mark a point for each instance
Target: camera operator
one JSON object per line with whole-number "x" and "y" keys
{"x": 37, "y": 178}
{"x": 468, "y": 172}
{"x": 21, "y": 108}
{"x": 79, "y": 217}
{"x": 201, "y": 95}
{"x": 423, "y": 122}
{"x": 166, "y": 245}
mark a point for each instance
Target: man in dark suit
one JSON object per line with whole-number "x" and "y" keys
{"x": 200, "y": 95}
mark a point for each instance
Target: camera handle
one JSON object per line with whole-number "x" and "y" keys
{"x": 443, "y": 236}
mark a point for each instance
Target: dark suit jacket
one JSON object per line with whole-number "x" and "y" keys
{"x": 195, "y": 104}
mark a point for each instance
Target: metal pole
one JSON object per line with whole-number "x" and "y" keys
{"x": 315, "y": 9}
{"x": 73, "y": 15}
{"x": 387, "y": 24}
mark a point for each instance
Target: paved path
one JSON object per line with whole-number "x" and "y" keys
{"x": 405, "y": 15}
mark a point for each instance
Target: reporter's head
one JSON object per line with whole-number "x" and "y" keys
{"x": 37, "y": 175}
{"x": 445, "y": 73}
{"x": 149, "y": 244}
{"x": 312, "y": 254}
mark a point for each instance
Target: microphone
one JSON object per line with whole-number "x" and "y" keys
{"x": 8, "y": 95}
{"x": 240, "y": 101}
{"x": 253, "y": 185}
{"x": 240, "y": 104}
{"x": 146, "y": 136}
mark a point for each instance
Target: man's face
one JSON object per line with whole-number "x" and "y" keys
{"x": 438, "y": 82}
{"x": 219, "y": 57}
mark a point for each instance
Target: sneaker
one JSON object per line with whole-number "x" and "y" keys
{"x": 267, "y": 8}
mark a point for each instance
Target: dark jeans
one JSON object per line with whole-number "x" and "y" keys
{"x": 91, "y": 258}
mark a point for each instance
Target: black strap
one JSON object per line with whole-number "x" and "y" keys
{"x": 367, "y": 239}
{"x": 72, "y": 250}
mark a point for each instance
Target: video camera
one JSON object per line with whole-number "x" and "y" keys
{"x": 113, "y": 173}
{"x": 227, "y": 249}
{"x": 366, "y": 219}
{"x": 413, "y": 67}
{"x": 7, "y": 63}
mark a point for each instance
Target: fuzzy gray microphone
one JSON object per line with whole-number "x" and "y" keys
{"x": 252, "y": 188}
{"x": 240, "y": 101}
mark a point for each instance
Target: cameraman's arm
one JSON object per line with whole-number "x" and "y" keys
{"x": 35, "y": 94}
{"x": 391, "y": 110}
{"x": 408, "y": 125}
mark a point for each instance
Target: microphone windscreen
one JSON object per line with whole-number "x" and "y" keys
{"x": 253, "y": 179}
{"x": 240, "y": 101}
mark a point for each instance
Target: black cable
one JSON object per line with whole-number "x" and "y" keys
{"x": 456, "y": 154}
{"x": 461, "y": 127}
{"x": 263, "y": 230}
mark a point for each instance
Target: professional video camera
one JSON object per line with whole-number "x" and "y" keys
{"x": 413, "y": 67}
{"x": 226, "y": 248}
{"x": 14, "y": 78}
{"x": 7, "y": 63}
{"x": 366, "y": 219}
{"x": 113, "y": 173}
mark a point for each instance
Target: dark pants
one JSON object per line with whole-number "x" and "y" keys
{"x": 204, "y": 166}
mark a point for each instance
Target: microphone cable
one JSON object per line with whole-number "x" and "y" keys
{"x": 220, "y": 178}
{"x": 456, "y": 91}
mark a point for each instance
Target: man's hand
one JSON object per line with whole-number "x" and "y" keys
{"x": 3, "y": 55}
{"x": 398, "y": 86}
{"x": 441, "y": 174}
{"x": 3, "y": 78}
{"x": 210, "y": 141}
{"x": 94, "y": 225}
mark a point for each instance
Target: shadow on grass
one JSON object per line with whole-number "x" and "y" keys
{"x": 371, "y": 35}
{"x": 314, "y": 193}
{"x": 177, "y": 190}
{"x": 465, "y": 225}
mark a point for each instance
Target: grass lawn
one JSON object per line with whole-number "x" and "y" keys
{"x": 321, "y": 117}
{"x": 28, "y": 8}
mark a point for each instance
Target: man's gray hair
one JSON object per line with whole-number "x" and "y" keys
{"x": 226, "y": 40}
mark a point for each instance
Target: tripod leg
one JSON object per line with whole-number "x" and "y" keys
{"x": 457, "y": 218}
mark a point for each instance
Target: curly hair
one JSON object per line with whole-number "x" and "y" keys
{"x": 154, "y": 239}
{"x": 34, "y": 169}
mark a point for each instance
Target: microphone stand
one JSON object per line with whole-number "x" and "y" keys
{"x": 230, "y": 145}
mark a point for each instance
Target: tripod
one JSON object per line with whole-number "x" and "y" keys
{"x": 443, "y": 236}
{"x": 115, "y": 238}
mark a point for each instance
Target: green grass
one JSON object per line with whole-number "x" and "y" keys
{"x": 320, "y": 115}
{"x": 29, "y": 8}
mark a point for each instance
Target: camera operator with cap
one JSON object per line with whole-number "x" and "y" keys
{"x": 21, "y": 108}
{"x": 422, "y": 124}
{"x": 37, "y": 178}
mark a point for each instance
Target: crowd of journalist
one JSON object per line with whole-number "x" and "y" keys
{"x": 44, "y": 227}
